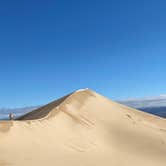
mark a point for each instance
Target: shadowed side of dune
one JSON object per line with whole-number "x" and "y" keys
{"x": 44, "y": 110}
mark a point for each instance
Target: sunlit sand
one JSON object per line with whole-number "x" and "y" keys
{"x": 84, "y": 129}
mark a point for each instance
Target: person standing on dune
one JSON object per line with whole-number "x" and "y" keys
{"x": 11, "y": 116}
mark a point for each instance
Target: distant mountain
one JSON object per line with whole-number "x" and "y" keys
{"x": 4, "y": 112}
{"x": 153, "y": 105}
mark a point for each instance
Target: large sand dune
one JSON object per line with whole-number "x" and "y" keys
{"x": 84, "y": 129}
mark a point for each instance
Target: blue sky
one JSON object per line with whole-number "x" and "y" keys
{"x": 50, "y": 48}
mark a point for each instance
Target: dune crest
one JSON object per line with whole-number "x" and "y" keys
{"x": 87, "y": 129}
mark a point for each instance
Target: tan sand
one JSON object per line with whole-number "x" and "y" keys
{"x": 84, "y": 129}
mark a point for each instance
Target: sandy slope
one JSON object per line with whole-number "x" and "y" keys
{"x": 84, "y": 129}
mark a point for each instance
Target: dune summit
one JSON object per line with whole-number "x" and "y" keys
{"x": 84, "y": 129}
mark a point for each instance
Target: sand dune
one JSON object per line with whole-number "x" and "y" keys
{"x": 84, "y": 129}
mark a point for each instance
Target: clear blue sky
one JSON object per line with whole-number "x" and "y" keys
{"x": 50, "y": 48}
